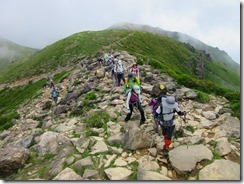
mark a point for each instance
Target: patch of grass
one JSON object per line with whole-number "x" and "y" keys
{"x": 134, "y": 166}
{"x": 49, "y": 156}
{"x": 179, "y": 133}
{"x": 190, "y": 128}
{"x": 98, "y": 120}
{"x": 216, "y": 155}
{"x": 90, "y": 96}
{"x": 202, "y": 97}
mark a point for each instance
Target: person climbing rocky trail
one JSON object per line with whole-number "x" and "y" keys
{"x": 85, "y": 135}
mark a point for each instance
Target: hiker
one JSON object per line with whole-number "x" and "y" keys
{"x": 154, "y": 103}
{"x": 44, "y": 85}
{"x": 108, "y": 58}
{"x": 54, "y": 95}
{"x": 133, "y": 99}
{"x": 130, "y": 81}
{"x": 165, "y": 113}
{"x": 134, "y": 70}
{"x": 119, "y": 69}
{"x": 51, "y": 83}
{"x": 100, "y": 61}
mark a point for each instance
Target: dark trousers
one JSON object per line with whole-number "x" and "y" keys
{"x": 138, "y": 105}
{"x": 168, "y": 131}
{"x": 119, "y": 77}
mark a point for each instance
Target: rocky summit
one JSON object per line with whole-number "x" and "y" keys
{"x": 84, "y": 136}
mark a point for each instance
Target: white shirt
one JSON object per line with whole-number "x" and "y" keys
{"x": 128, "y": 100}
{"x": 168, "y": 110}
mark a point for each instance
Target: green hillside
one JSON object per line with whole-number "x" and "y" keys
{"x": 165, "y": 54}
{"x": 173, "y": 55}
{"x": 11, "y": 52}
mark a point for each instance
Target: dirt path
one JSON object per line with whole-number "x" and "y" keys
{"x": 33, "y": 78}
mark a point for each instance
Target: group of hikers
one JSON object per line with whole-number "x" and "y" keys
{"x": 164, "y": 106}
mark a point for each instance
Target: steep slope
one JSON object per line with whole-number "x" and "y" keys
{"x": 84, "y": 136}
{"x": 10, "y": 52}
{"x": 216, "y": 53}
{"x": 170, "y": 56}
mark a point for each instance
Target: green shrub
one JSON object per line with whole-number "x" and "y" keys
{"x": 202, "y": 97}
{"x": 90, "y": 96}
{"x": 190, "y": 128}
{"x": 98, "y": 120}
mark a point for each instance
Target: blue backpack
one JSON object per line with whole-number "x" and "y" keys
{"x": 54, "y": 93}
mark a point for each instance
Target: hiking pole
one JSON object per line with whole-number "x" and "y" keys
{"x": 184, "y": 119}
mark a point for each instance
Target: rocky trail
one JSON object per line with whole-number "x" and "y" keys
{"x": 85, "y": 137}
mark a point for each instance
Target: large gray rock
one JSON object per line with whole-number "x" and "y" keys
{"x": 12, "y": 158}
{"x": 229, "y": 128}
{"x": 223, "y": 146}
{"x": 156, "y": 91}
{"x": 185, "y": 158}
{"x": 51, "y": 141}
{"x": 136, "y": 139}
{"x": 221, "y": 170}
{"x": 57, "y": 163}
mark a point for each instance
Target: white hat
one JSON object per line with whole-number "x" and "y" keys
{"x": 119, "y": 62}
{"x": 169, "y": 102}
{"x": 136, "y": 88}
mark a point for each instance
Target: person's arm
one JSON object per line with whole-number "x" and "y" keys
{"x": 179, "y": 112}
{"x": 138, "y": 73}
{"x": 137, "y": 80}
{"x": 158, "y": 111}
{"x": 128, "y": 100}
{"x": 150, "y": 103}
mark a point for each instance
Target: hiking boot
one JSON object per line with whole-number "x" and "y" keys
{"x": 142, "y": 122}
{"x": 165, "y": 152}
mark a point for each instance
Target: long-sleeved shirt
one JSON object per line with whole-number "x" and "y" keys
{"x": 169, "y": 113}
{"x": 153, "y": 103}
{"x": 128, "y": 99}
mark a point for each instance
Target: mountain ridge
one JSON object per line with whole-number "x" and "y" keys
{"x": 11, "y": 52}
{"x": 215, "y": 52}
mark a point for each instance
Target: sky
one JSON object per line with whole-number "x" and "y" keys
{"x": 38, "y": 23}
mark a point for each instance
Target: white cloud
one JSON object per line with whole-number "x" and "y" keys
{"x": 41, "y": 22}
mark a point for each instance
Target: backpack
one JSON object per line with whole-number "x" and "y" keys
{"x": 133, "y": 97}
{"x": 163, "y": 122}
{"x": 120, "y": 69}
{"x": 54, "y": 93}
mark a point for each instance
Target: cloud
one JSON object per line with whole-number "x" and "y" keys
{"x": 42, "y": 22}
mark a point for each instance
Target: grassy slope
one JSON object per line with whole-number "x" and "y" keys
{"x": 11, "y": 98}
{"x": 64, "y": 52}
{"x": 12, "y": 53}
{"x": 164, "y": 53}
{"x": 160, "y": 49}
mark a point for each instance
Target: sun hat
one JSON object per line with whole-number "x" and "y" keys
{"x": 136, "y": 88}
{"x": 169, "y": 102}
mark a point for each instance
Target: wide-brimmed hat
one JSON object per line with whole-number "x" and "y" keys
{"x": 169, "y": 102}
{"x": 136, "y": 88}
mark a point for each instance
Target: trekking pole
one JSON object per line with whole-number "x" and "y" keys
{"x": 184, "y": 119}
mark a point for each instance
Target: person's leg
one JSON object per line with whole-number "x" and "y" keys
{"x": 128, "y": 116}
{"x": 119, "y": 79}
{"x": 143, "y": 119}
{"x": 168, "y": 138}
{"x": 123, "y": 77}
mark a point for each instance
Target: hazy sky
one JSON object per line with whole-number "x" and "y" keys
{"x": 38, "y": 23}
